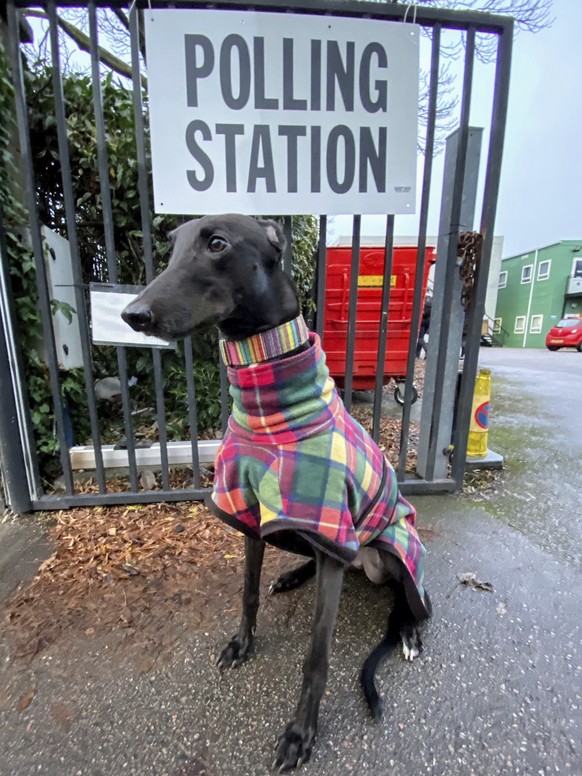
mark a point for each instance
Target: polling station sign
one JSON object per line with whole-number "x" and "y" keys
{"x": 281, "y": 113}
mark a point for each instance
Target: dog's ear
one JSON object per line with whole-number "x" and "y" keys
{"x": 274, "y": 234}
{"x": 172, "y": 236}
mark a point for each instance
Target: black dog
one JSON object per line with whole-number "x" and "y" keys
{"x": 226, "y": 270}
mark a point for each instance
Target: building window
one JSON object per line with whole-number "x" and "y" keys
{"x": 519, "y": 325}
{"x": 497, "y": 325}
{"x": 544, "y": 269}
{"x": 577, "y": 268}
{"x": 526, "y": 273}
{"x": 502, "y": 279}
{"x": 535, "y": 326}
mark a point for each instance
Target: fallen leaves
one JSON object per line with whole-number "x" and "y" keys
{"x": 26, "y": 698}
{"x": 481, "y": 483}
{"x": 389, "y": 435}
{"x": 126, "y": 567}
{"x": 469, "y": 579}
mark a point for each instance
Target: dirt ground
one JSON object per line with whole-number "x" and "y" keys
{"x": 144, "y": 572}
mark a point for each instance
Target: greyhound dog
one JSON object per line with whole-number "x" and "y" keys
{"x": 294, "y": 469}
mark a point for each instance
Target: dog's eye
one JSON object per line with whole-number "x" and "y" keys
{"x": 217, "y": 244}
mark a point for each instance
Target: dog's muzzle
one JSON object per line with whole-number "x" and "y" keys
{"x": 139, "y": 316}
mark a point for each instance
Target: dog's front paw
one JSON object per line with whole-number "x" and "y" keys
{"x": 235, "y": 652}
{"x": 293, "y": 747}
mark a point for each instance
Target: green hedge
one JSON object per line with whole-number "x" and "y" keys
{"x": 123, "y": 182}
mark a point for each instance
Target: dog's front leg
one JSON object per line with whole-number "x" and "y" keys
{"x": 295, "y": 743}
{"x": 239, "y": 646}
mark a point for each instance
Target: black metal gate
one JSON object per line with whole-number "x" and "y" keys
{"x": 436, "y": 470}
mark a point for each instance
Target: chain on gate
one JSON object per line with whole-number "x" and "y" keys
{"x": 468, "y": 257}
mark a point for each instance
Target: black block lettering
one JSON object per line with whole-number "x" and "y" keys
{"x": 197, "y": 183}
{"x": 349, "y": 159}
{"x": 292, "y": 133}
{"x": 315, "y": 160}
{"x": 230, "y": 131}
{"x": 315, "y": 75}
{"x": 381, "y": 87}
{"x": 261, "y": 145}
{"x": 195, "y": 69}
{"x": 289, "y": 101}
{"x": 261, "y": 101}
{"x": 373, "y": 155}
{"x": 343, "y": 74}
{"x": 229, "y": 44}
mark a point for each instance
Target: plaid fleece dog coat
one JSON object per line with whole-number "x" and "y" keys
{"x": 293, "y": 459}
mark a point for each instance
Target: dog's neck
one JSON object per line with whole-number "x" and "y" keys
{"x": 278, "y": 342}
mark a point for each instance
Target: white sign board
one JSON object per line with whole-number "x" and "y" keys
{"x": 256, "y": 112}
{"x": 107, "y": 325}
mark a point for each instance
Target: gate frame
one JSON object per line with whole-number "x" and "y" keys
{"x": 469, "y": 22}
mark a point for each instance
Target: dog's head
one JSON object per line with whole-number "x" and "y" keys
{"x": 224, "y": 270}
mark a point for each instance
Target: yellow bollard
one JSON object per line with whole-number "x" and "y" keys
{"x": 479, "y": 428}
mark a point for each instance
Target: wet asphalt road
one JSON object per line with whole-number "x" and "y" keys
{"x": 536, "y": 422}
{"x": 498, "y": 689}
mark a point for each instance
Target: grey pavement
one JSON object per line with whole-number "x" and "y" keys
{"x": 498, "y": 689}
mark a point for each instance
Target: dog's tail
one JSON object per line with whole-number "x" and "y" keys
{"x": 376, "y": 658}
{"x": 402, "y": 624}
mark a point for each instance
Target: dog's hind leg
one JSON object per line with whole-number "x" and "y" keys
{"x": 295, "y": 743}
{"x": 239, "y": 646}
{"x": 402, "y": 626}
{"x": 294, "y": 578}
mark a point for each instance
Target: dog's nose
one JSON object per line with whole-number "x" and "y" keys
{"x": 138, "y": 315}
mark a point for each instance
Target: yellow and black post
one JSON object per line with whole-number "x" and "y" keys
{"x": 479, "y": 428}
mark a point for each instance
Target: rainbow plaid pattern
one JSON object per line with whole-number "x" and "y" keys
{"x": 265, "y": 345}
{"x": 294, "y": 459}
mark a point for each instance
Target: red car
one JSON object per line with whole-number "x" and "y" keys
{"x": 565, "y": 334}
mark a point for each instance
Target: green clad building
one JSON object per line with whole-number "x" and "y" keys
{"x": 536, "y": 290}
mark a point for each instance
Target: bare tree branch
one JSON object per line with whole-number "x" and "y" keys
{"x": 123, "y": 18}
{"x": 84, "y": 43}
{"x": 530, "y": 15}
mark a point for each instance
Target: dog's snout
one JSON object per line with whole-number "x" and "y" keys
{"x": 138, "y": 315}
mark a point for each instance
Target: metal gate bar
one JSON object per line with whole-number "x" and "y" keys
{"x": 144, "y": 202}
{"x": 421, "y": 248}
{"x": 223, "y": 395}
{"x": 192, "y": 414}
{"x": 427, "y": 16}
{"x": 69, "y": 201}
{"x": 103, "y": 163}
{"x": 352, "y": 310}
{"x": 493, "y": 174}
{"x": 320, "y": 276}
{"x": 41, "y": 277}
{"x": 451, "y": 259}
{"x": 68, "y": 501}
{"x": 20, "y": 474}
{"x": 383, "y": 333}
{"x": 288, "y": 255}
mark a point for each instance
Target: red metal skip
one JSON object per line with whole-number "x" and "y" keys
{"x": 368, "y": 311}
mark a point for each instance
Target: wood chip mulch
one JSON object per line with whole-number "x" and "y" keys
{"x": 147, "y": 569}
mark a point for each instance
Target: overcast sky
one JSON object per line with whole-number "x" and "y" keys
{"x": 541, "y": 186}
{"x": 540, "y": 199}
